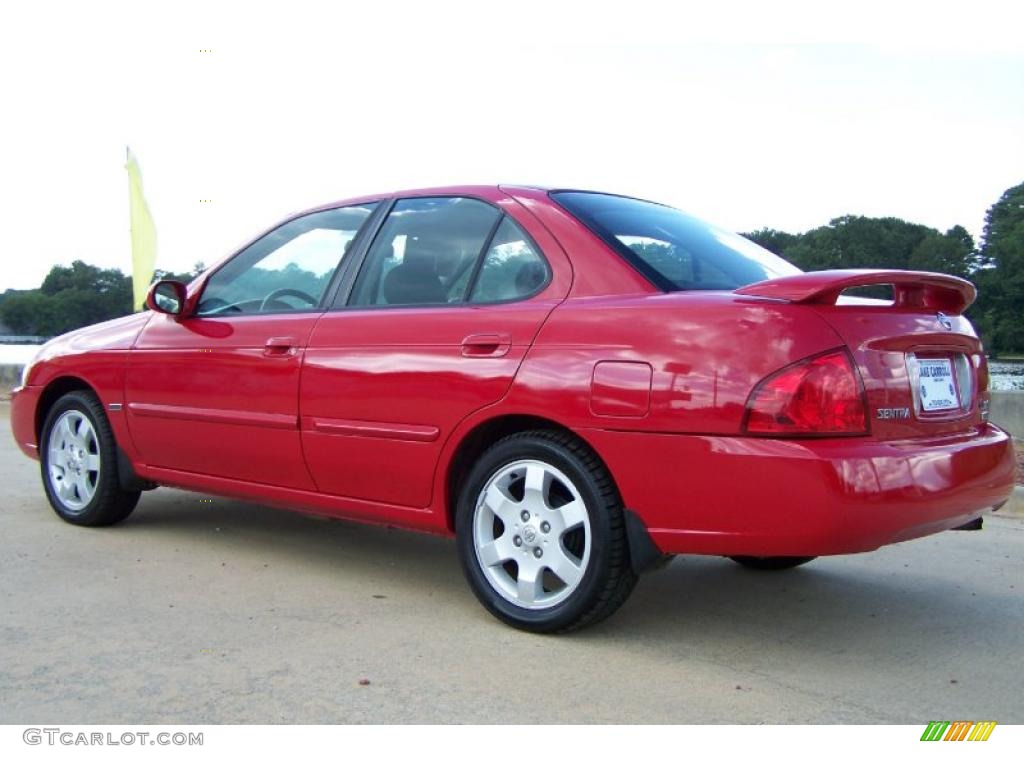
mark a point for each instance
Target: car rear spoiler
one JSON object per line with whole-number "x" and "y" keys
{"x": 912, "y": 290}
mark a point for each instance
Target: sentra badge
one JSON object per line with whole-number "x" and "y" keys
{"x": 893, "y": 413}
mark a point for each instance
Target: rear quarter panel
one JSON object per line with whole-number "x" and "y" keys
{"x": 705, "y": 351}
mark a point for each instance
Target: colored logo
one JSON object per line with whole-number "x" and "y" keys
{"x": 958, "y": 730}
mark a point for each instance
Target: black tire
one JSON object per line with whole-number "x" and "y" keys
{"x": 770, "y": 563}
{"x": 110, "y": 503}
{"x": 607, "y": 578}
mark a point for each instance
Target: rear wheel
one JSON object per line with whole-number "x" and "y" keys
{"x": 770, "y": 563}
{"x": 541, "y": 534}
{"x": 78, "y": 460}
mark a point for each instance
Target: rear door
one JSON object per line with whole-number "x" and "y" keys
{"x": 447, "y": 301}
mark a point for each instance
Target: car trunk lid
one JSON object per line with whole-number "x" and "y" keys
{"x": 919, "y": 359}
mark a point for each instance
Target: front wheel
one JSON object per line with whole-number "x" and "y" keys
{"x": 78, "y": 460}
{"x": 770, "y": 563}
{"x": 541, "y": 535}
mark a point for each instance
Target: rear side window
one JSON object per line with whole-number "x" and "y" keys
{"x": 675, "y": 251}
{"x": 512, "y": 268}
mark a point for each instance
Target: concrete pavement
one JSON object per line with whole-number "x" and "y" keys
{"x": 197, "y": 610}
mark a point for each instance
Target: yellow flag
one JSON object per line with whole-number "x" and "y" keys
{"x": 143, "y": 234}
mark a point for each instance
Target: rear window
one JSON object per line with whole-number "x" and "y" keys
{"x": 675, "y": 251}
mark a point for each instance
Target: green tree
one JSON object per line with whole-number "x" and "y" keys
{"x": 1000, "y": 277}
{"x": 952, "y": 253}
{"x": 87, "y": 278}
{"x": 10, "y": 293}
{"x": 32, "y": 313}
{"x": 181, "y": 277}
{"x": 72, "y": 297}
{"x": 862, "y": 242}
{"x": 774, "y": 240}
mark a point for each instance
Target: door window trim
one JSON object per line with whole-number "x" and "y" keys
{"x": 344, "y": 276}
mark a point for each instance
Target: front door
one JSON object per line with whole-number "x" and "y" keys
{"x": 218, "y": 393}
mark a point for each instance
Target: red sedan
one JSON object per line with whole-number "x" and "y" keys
{"x": 576, "y": 385}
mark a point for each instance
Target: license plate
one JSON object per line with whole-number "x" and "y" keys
{"x": 935, "y": 384}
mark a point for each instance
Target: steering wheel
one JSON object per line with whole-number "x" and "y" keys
{"x": 288, "y": 292}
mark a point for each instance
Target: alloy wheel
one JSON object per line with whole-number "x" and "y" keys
{"x": 73, "y": 460}
{"x": 531, "y": 534}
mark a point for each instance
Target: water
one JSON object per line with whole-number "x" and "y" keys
{"x": 17, "y": 354}
{"x": 1004, "y": 375}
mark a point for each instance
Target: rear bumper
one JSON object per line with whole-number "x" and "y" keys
{"x": 23, "y": 419}
{"x": 752, "y": 496}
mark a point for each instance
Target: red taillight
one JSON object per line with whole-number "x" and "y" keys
{"x": 984, "y": 399}
{"x": 981, "y": 363}
{"x": 822, "y": 395}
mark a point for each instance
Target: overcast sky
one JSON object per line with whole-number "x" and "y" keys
{"x": 776, "y": 114}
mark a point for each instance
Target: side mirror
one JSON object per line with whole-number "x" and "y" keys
{"x": 167, "y": 297}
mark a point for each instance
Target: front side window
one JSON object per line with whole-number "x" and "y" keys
{"x": 675, "y": 251}
{"x": 425, "y": 252}
{"x": 287, "y": 270}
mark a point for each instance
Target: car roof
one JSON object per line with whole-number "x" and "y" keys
{"x": 458, "y": 190}
{"x": 468, "y": 190}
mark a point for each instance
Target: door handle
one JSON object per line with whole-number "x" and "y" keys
{"x": 279, "y": 346}
{"x": 486, "y": 345}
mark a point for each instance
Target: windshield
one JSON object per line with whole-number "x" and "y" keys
{"x": 675, "y": 251}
